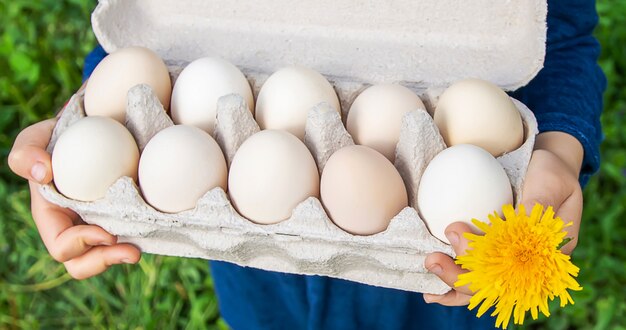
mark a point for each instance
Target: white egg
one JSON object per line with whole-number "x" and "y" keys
{"x": 107, "y": 88}
{"x": 361, "y": 190}
{"x": 91, "y": 155}
{"x": 200, "y": 85}
{"x": 375, "y": 116}
{"x": 287, "y": 96}
{"x": 461, "y": 183}
{"x": 271, "y": 173}
{"x": 178, "y": 166}
{"x": 478, "y": 112}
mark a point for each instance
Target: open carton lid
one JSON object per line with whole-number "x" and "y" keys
{"x": 427, "y": 43}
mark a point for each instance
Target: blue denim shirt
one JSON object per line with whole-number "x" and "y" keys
{"x": 565, "y": 96}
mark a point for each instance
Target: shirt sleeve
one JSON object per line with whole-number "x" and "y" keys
{"x": 92, "y": 60}
{"x": 566, "y": 95}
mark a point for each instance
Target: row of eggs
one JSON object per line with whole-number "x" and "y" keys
{"x": 490, "y": 120}
{"x": 273, "y": 170}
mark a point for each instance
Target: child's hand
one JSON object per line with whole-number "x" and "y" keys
{"x": 85, "y": 250}
{"x": 551, "y": 180}
{"x": 443, "y": 266}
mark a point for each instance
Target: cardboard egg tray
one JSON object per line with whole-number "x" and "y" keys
{"x": 333, "y": 44}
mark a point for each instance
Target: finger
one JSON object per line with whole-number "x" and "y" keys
{"x": 51, "y": 220}
{"x": 451, "y": 298}
{"x": 63, "y": 239}
{"x": 100, "y": 258}
{"x": 454, "y": 233}
{"x": 29, "y": 158}
{"x": 444, "y": 267}
{"x": 77, "y": 240}
{"x": 571, "y": 211}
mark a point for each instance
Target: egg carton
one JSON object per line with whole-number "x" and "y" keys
{"x": 308, "y": 242}
{"x": 424, "y": 45}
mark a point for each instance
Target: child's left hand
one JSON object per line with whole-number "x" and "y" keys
{"x": 551, "y": 180}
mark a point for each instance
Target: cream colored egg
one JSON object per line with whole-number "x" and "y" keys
{"x": 375, "y": 116}
{"x": 287, "y": 96}
{"x": 271, "y": 173}
{"x": 106, "y": 90}
{"x": 461, "y": 183}
{"x": 91, "y": 155}
{"x": 178, "y": 166}
{"x": 478, "y": 112}
{"x": 200, "y": 85}
{"x": 361, "y": 190}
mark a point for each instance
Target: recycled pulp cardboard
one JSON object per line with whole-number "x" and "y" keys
{"x": 424, "y": 45}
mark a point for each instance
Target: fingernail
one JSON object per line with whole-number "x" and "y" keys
{"x": 38, "y": 172}
{"x": 127, "y": 261}
{"x": 453, "y": 237}
{"x": 435, "y": 269}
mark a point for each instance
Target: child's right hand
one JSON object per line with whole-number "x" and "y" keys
{"x": 85, "y": 250}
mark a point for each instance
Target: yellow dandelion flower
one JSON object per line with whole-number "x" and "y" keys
{"x": 517, "y": 265}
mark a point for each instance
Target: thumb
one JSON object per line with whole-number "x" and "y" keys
{"x": 567, "y": 205}
{"x": 537, "y": 190}
{"x": 530, "y": 201}
{"x": 29, "y": 158}
{"x": 569, "y": 210}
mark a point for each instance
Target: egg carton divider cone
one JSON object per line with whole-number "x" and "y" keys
{"x": 423, "y": 45}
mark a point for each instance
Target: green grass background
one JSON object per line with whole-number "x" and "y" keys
{"x": 42, "y": 44}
